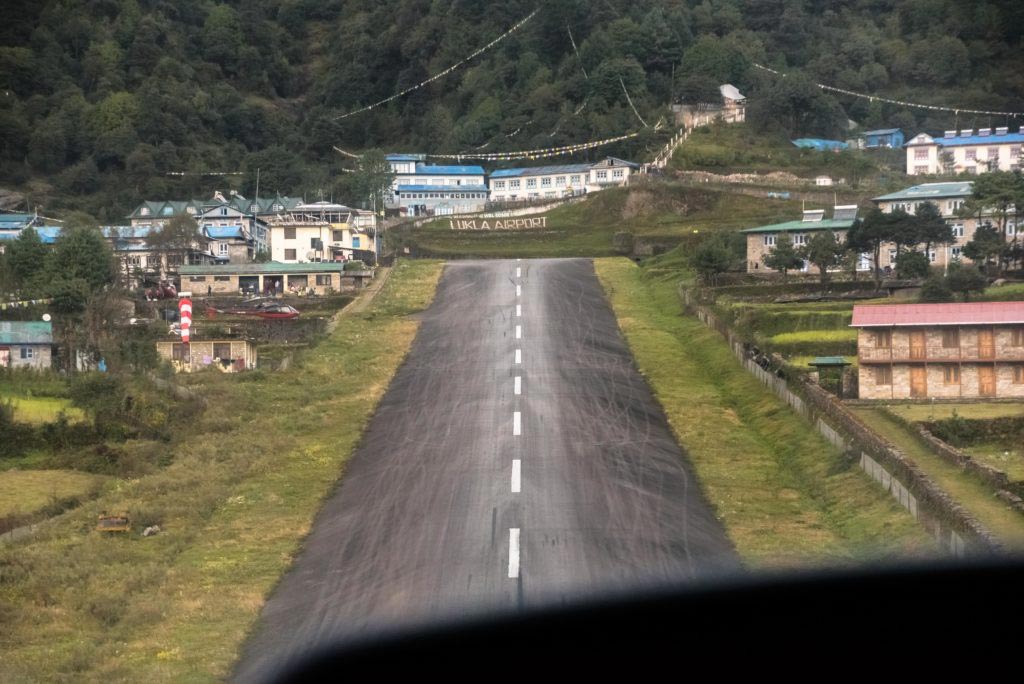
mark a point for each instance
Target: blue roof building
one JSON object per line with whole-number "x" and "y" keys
{"x": 421, "y": 189}
{"x": 965, "y": 151}
{"x": 885, "y": 137}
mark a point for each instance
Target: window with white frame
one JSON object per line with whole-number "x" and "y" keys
{"x": 921, "y": 170}
{"x": 931, "y": 255}
{"x": 500, "y": 185}
{"x": 575, "y": 180}
{"x": 921, "y": 153}
{"x": 1011, "y": 229}
{"x": 545, "y": 181}
{"x": 1015, "y": 152}
{"x": 144, "y": 211}
{"x": 602, "y": 175}
{"x": 800, "y": 239}
{"x": 993, "y": 153}
{"x": 769, "y": 240}
{"x": 531, "y": 182}
{"x": 892, "y": 256}
{"x": 955, "y": 253}
{"x": 617, "y": 173}
{"x": 970, "y": 154}
{"x": 560, "y": 181}
{"x": 28, "y": 353}
{"x": 958, "y": 230}
{"x": 514, "y": 184}
{"x": 222, "y": 248}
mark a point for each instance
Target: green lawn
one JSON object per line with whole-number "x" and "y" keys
{"x": 1010, "y": 460}
{"x": 246, "y": 481}
{"x": 785, "y": 495}
{"x": 1003, "y": 293}
{"x": 23, "y": 492}
{"x": 655, "y": 210}
{"x": 916, "y": 413}
{"x": 970, "y": 492}
{"x": 39, "y": 410}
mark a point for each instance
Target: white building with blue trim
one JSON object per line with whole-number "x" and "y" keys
{"x": 553, "y": 182}
{"x": 965, "y": 151}
{"x": 421, "y": 189}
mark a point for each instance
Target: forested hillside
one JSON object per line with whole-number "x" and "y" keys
{"x": 102, "y": 99}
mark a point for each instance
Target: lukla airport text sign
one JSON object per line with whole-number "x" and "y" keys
{"x": 500, "y": 224}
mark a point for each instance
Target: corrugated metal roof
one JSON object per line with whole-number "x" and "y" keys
{"x": 224, "y": 232}
{"x": 802, "y": 226}
{"x": 976, "y": 313}
{"x": 26, "y": 332}
{"x": 48, "y": 234}
{"x": 269, "y": 268}
{"x": 441, "y": 188}
{"x": 462, "y": 170}
{"x": 883, "y": 131}
{"x": 730, "y": 91}
{"x": 986, "y": 140}
{"x": 930, "y": 191}
{"x": 404, "y": 157}
{"x": 541, "y": 171}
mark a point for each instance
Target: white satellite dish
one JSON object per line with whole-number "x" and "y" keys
{"x": 310, "y": 255}
{"x": 46, "y": 317}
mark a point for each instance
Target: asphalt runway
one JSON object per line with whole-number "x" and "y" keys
{"x": 517, "y": 459}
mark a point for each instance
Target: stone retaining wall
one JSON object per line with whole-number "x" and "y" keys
{"x": 953, "y": 527}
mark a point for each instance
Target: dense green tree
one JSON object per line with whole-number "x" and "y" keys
{"x": 783, "y": 256}
{"x": 912, "y": 265}
{"x": 26, "y": 259}
{"x": 825, "y": 252}
{"x": 965, "y": 279}
{"x": 712, "y": 258}
{"x": 987, "y": 247}
{"x": 82, "y": 253}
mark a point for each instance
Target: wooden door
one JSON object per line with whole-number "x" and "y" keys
{"x": 918, "y": 381}
{"x": 986, "y": 381}
{"x": 986, "y": 344}
{"x": 917, "y": 345}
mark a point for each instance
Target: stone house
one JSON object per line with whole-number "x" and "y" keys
{"x": 762, "y": 239}
{"x": 228, "y": 356}
{"x": 26, "y": 344}
{"x": 918, "y": 351}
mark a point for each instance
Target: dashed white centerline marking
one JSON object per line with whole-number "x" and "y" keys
{"x": 519, "y": 272}
{"x": 517, "y": 423}
{"x": 519, "y": 384}
{"x": 519, "y": 332}
{"x": 513, "y": 553}
{"x": 517, "y": 469}
{"x": 519, "y": 290}
{"x": 519, "y": 310}
{"x": 519, "y": 355}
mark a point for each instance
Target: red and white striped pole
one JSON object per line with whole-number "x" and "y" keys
{"x": 185, "y": 310}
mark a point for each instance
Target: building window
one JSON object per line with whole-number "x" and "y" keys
{"x": 289, "y": 255}
{"x": 617, "y": 173}
{"x": 500, "y": 185}
{"x": 197, "y": 279}
{"x": 956, "y": 252}
{"x": 920, "y": 170}
{"x": 951, "y": 375}
{"x": 289, "y": 233}
{"x": 324, "y": 279}
{"x": 531, "y": 182}
{"x": 1017, "y": 337}
{"x": 222, "y": 350}
{"x": 769, "y": 240}
{"x": 575, "y": 180}
{"x": 800, "y": 239}
{"x": 883, "y": 339}
{"x": 355, "y": 242}
{"x": 1015, "y": 152}
{"x": 883, "y": 375}
{"x": 1018, "y": 375}
{"x": 277, "y": 207}
{"x": 958, "y": 230}
{"x": 338, "y": 235}
{"x": 950, "y": 339}
{"x": 545, "y": 181}
{"x": 179, "y": 352}
{"x": 921, "y": 153}
{"x": 602, "y": 175}
{"x": 955, "y": 204}
{"x": 222, "y": 248}
{"x": 27, "y": 352}
{"x": 931, "y": 255}
{"x": 970, "y": 154}
{"x": 1011, "y": 229}
{"x": 513, "y": 184}
{"x": 993, "y": 153}
{"x": 560, "y": 181}
{"x": 222, "y": 279}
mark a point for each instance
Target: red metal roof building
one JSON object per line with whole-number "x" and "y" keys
{"x": 908, "y": 351}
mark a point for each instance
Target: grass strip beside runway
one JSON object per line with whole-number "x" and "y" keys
{"x": 785, "y": 495}
{"x": 240, "y": 495}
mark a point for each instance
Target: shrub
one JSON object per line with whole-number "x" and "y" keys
{"x": 622, "y": 242}
{"x": 355, "y": 265}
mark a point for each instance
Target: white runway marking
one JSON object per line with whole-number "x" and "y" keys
{"x": 519, "y": 332}
{"x": 519, "y": 310}
{"x": 519, "y": 272}
{"x": 517, "y": 468}
{"x": 519, "y": 290}
{"x": 519, "y": 384}
{"x": 519, "y": 355}
{"x": 513, "y": 553}
{"x": 517, "y": 423}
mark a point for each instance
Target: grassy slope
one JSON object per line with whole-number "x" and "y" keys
{"x": 971, "y": 493}
{"x": 27, "y": 491}
{"x": 39, "y": 410}
{"x": 234, "y": 506}
{"x": 655, "y": 210}
{"x": 785, "y": 495}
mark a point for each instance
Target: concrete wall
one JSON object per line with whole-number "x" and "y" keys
{"x": 243, "y": 355}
